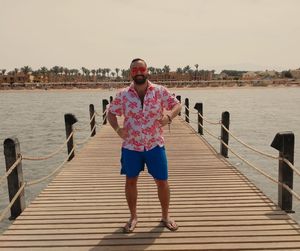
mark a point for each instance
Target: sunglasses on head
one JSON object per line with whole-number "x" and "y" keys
{"x": 135, "y": 70}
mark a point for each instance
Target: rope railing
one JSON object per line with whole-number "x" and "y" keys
{"x": 256, "y": 168}
{"x": 210, "y": 133}
{"x": 70, "y": 131}
{"x": 245, "y": 144}
{"x": 33, "y": 182}
{"x": 9, "y": 171}
{"x": 285, "y": 186}
{"x": 82, "y": 129}
{"x": 262, "y": 172}
{"x": 87, "y": 138}
{"x": 263, "y": 153}
{"x": 205, "y": 119}
{"x": 208, "y": 121}
{"x": 99, "y": 115}
{"x": 52, "y": 154}
{"x": 5, "y": 210}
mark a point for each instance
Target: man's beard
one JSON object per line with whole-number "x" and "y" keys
{"x": 140, "y": 79}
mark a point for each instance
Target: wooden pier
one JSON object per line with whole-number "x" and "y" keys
{"x": 216, "y": 207}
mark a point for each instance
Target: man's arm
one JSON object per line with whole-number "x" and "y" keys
{"x": 172, "y": 114}
{"x": 175, "y": 110}
{"x": 113, "y": 121}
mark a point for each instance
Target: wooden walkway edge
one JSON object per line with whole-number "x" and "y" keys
{"x": 216, "y": 207}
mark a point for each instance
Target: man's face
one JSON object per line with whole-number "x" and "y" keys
{"x": 139, "y": 72}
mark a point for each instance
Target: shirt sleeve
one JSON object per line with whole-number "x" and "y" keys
{"x": 115, "y": 107}
{"x": 168, "y": 100}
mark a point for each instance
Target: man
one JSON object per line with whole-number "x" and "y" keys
{"x": 142, "y": 104}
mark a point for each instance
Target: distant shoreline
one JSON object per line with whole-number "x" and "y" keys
{"x": 176, "y": 85}
{"x": 171, "y": 88}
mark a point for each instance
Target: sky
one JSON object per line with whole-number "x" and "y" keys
{"x": 215, "y": 34}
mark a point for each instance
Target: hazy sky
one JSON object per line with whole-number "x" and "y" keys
{"x": 216, "y": 34}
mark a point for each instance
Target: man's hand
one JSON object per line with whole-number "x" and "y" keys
{"x": 164, "y": 121}
{"x": 122, "y": 132}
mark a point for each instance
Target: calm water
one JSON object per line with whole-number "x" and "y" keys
{"x": 257, "y": 114}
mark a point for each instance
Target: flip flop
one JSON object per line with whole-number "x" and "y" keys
{"x": 129, "y": 227}
{"x": 168, "y": 224}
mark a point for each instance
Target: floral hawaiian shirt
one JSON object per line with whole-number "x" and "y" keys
{"x": 141, "y": 121}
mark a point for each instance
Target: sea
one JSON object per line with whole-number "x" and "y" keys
{"x": 257, "y": 114}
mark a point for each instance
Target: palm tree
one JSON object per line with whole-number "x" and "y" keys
{"x": 151, "y": 70}
{"x": 66, "y": 71}
{"x": 3, "y": 71}
{"x": 125, "y": 74}
{"x": 166, "y": 69}
{"x": 158, "y": 70}
{"x": 103, "y": 71}
{"x": 26, "y": 69}
{"x": 16, "y": 71}
{"x": 83, "y": 70}
{"x": 43, "y": 70}
{"x": 196, "y": 72}
{"x": 107, "y": 71}
{"x": 186, "y": 69}
{"x": 179, "y": 70}
{"x": 117, "y": 71}
{"x": 55, "y": 69}
{"x": 61, "y": 70}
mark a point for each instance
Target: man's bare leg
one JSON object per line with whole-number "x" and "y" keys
{"x": 131, "y": 197}
{"x": 163, "y": 191}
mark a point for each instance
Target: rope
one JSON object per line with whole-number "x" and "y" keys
{"x": 261, "y": 172}
{"x": 33, "y": 182}
{"x": 215, "y": 137}
{"x": 188, "y": 117}
{"x": 50, "y": 155}
{"x": 208, "y": 121}
{"x": 186, "y": 108}
{"x": 81, "y": 129}
{"x": 85, "y": 140}
{"x": 9, "y": 171}
{"x": 94, "y": 115}
{"x": 4, "y": 212}
{"x": 105, "y": 117}
{"x": 290, "y": 165}
{"x": 262, "y": 153}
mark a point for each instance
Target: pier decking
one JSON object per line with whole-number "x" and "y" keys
{"x": 216, "y": 207}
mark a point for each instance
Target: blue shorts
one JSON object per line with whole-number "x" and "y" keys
{"x": 133, "y": 162}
